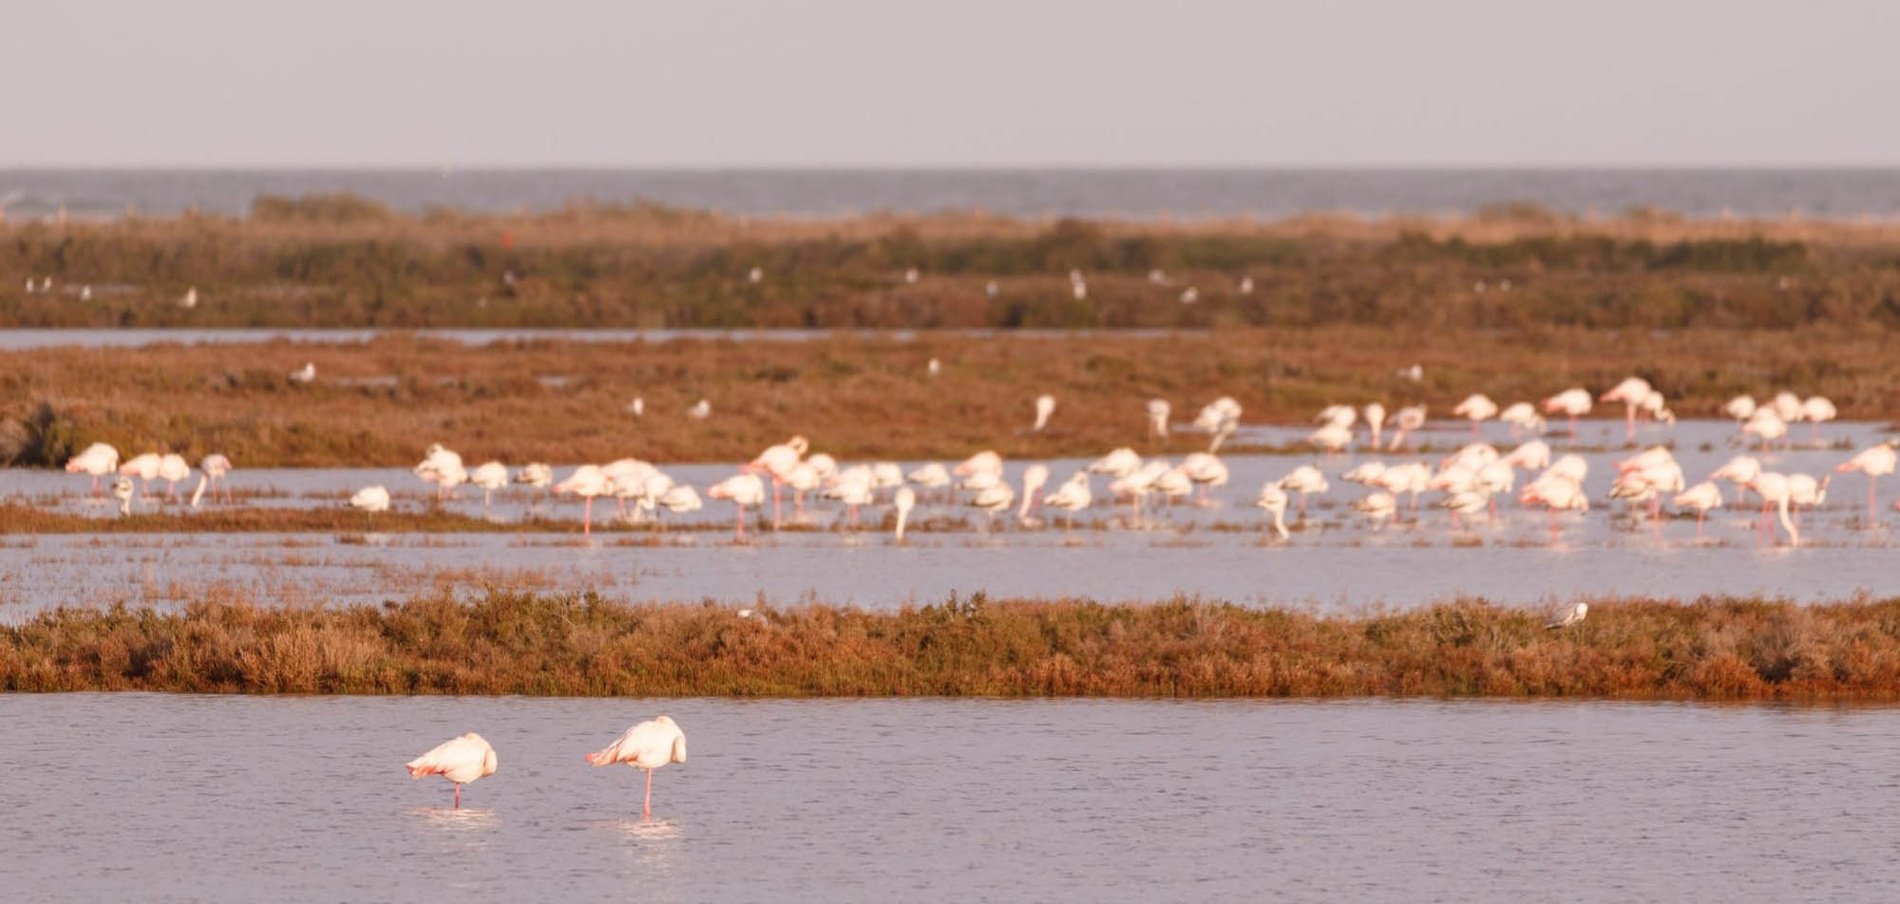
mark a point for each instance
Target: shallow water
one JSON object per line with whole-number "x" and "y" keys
{"x": 153, "y": 797}
{"x": 1333, "y": 561}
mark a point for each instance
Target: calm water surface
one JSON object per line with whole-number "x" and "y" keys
{"x": 152, "y": 797}
{"x": 1333, "y": 561}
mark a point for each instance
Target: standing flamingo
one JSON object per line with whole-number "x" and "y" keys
{"x": 460, "y": 760}
{"x": 1741, "y": 408}
{"x": 1477, "y": 408}
{"x": 145, "y": 468}
{"x": 212, "y": 470}
{"x": 1876, "y": 462}
{"x": 648, "y": 745}
{"x": 97, "y": 460}
{"x": 490, "y": 476}
{"x": 1571, "y": 403}
{"x": 370, "y": 499}
{"x": 1702, "y": 497}
{"x": 742, "y": 490}
{"x": 1407, "y": 420}
{"x": 1071, "y": 497}
{"x": 777, "y": 463}
{"x": 1775, "y": 492}
{"x": 173, "y": 468}
{"x": 1375, "y": 421}
{"x": 587, "y": 481}
{"x": 1273, "y": 500}
{"x": 1035, "y": 477}
{"x": 1631, "y": 392}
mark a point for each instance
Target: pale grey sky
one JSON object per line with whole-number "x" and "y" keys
{"x": 709, "y": 83}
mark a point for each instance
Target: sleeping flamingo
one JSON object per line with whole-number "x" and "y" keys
{"x": 742, "y": 490}
{"x": 97, "y": 460}
{"x": 1631, "y": 392}
{"x": 648, "y": 745}
{"x": 460, "y": 760}
{"x": 1571, "y": 403}
{"x": 587, "y": 481}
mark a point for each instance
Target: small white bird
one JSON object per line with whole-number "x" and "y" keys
{"x": 370, "y": 499}
{"x": 122, "y": 490}
{"x": 637, "y": 407}
{"x": 1045, "y": 406}
{"x": 648, "y": 745}
{"x": 934, "y": 368}
{"x": 460, "y": 760}
{"x": 304, "y": 375}
{"x": 1569, "y": 617}
{"x": 701, "y": 411}
{"x": 755, "y": 276}
{"x": 190, "y": 300}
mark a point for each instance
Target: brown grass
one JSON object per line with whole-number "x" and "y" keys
{"x": 555, "y": 644}
{"x": 856, "y": 397}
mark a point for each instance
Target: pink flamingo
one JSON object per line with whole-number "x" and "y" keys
{"x": 648, "y": 745}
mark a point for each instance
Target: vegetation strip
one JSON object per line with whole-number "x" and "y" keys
{"x": 583, "y": 645}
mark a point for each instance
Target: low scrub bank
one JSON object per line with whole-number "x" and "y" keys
{"x": 581, "y": 644}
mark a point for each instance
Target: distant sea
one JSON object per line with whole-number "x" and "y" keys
{"x": 1133, "y": 193}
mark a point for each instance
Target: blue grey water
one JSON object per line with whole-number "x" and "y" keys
{"x": 1136, "y": 193}
{"x": 1334, "y": 561}
{"x": 183, "y": 798}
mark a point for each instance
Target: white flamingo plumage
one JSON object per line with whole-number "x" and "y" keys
{"x": 741, "y": 490}
{"x": 370, "y": 499}
{"x": 647, "y": 746}
{"x": 97, "y": 461}
{"x": 587, "y": 482}
{"x": 460, "y": 760}
{"x": 1876, "y": 461}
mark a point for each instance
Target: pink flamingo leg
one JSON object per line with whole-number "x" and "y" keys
{"x": 738, "y": 524}
{"x": 776, "y": 505}
{"x": 1699, "y": 515}
{"x": 646, "y": 809}
{"x": 1870, "y": 500}
{"x": 458, "y": 795}
{"x": 587, "y": 518}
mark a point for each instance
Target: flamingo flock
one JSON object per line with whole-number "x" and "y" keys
{"x": 646, "y": 746}
{"x": 1467, "y": 484}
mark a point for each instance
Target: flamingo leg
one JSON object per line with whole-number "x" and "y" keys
{"x": 777, "y": 511}
{"x": 587, "y": 518}
{"x": 458, "y": 795}
{"x": 1699, "y": 516}
{"x": 738, "y": 524}
{"x": 646, "y": 809}
{"x": 1870, "y": 500}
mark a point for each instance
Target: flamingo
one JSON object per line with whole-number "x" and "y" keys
{"x": 1571, "y": 403}
{"x": 1045, "y": 406}
{"x": 1464, "y": 502}
{"x": 1331, "y": 438}
{"x": 679, "y": 499}
{"x": 212, "y": 470}
{"x": 1477, "y": 408}
{"x": 122, "y": 490}
{"x": 1876, "y": 462}
{"x": 460, "y": 760}
{"x": 1073, "y": 496}
{"x": 1817, "y": 410}
{"x": 1034, "y": 478}
{"x": 1571, "y": 616}
{"x": 1118, "y": 463}
{"x": 1523, "y": 418}
{"x": 535, "y": 475}
{"x": 97, "y": 460}
{"x": 1219, "y": 418}
{"x": 853, "y": 488}
{"x": 1379, "y": 505}
{"x": 587, "y": 481}
{"x": 1531, "y": 456}
{"x": 173, "y": 468}
{"x": 370, "y": 499}
{"x": 1273, "y": 500}
{"x": 1768, "y": 424}
{"x": 1375, "y": 421}
{"x": 1206, "y": 470}
{"x": 930, "y": 476}
{"x": 145, "y": 468}
{"x": 1655, "y": 407}
{"x": 443, "y": 468}
{"x": 1304, "y": 480}
{"x": 903, "y": 501}
{"x": 1631, "y": 392}
{"x": 1407, "y": 420}
{"x": 1741, "y": 471}
{"x": 1786, "y": 406}
{"x": 777, "y": 463}
{"x": 1158, "y": 411}
{"x": 1410, "y": 477}
{"x": 1556, "y": 493}
{"x": 1702, "y": 497}
{"x": 1741, "y": 408}
{"x": 490, "y": 476}
{"x": 997, "y": 497}
{"x": 743, "y": 490}
{"x": 1138, "y": 485}
{"x": 1774, "y": 490}
{"x": 648, "y": 745}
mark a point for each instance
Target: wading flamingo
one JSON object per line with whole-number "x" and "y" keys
{"x": 1571, "y": 403}
{"x": 145, "y": 468}
{"x": 1272, "y": 500}
{"x": 460, "y": 760}
{"x": 1702, "y": 497}
{"x": 97, "y": 460}
{"x": 742, "y": 490}
{"x": 1375, "y": 421}
{"x": 212, "y": 471}
{"x": 1876, "y": 462}
{"x": 777, "y": 463}
{"x": 1476, "y": 408}
{"x": 648, "y": 745}
{"x": 1775, "y": 492}
{"x": 587, "y": 481}
{"x": 1631, "y": 392}
{"x": 173, "y": 468}
{"x": 490, "y": 476}
{"x": 1407, "y": 420}
{"x": 1035, "y": 477}
{"x": 1073, "y": 496}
